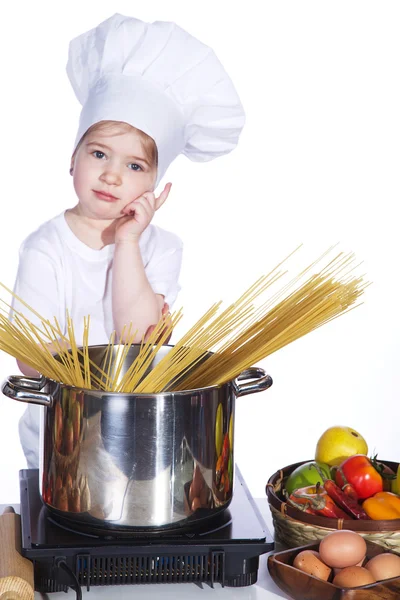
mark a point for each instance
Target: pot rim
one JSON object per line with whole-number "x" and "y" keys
{"x": 133, "y": 394}
{"x": 102, "y": 393}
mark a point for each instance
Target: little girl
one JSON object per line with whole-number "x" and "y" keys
{"x": 149, "y": 92}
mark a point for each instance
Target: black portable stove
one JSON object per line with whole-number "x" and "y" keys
{"x": 226, "y": 552}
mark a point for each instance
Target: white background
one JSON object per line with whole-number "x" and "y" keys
{"x": 318, "y": 163}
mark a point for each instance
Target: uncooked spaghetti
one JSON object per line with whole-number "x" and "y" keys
{"x": 216, "y": 349}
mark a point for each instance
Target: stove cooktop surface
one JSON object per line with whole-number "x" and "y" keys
{"x": 225, "y": 550}
{"x": 242, "y": 522}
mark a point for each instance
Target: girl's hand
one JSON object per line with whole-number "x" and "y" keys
{"x": 139, "y": 214}
{"x": 167, "y": 317}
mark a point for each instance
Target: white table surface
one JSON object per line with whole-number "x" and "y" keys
{"x": 262, "y": 590}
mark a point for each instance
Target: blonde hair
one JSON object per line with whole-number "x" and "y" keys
{"x": 148, "y": 144}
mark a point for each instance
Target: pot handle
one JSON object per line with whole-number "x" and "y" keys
{"x": 263, "y": 382}
{"x": 26, "y": 389}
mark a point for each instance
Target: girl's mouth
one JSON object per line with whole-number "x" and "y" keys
{"x": 105, "y": 196}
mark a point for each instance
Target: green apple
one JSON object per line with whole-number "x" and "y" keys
{"x": 306, "y": 475}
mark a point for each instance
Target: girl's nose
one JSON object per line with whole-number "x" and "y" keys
{"x": 111, "y": 175}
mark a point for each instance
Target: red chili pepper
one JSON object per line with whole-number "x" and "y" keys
{"x": 316, "y": 501}
{"x": 349, "y": 490}
{"x": 345, "y": 501}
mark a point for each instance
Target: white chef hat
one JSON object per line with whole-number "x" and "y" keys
{"x": 158, "y": 78}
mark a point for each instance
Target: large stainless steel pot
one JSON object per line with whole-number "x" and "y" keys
{"x": 121, "y": 461}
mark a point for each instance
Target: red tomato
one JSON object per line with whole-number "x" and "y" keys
{"x": 359, "y": 471}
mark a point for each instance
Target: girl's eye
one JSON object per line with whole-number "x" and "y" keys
{"x": 98, "y": 154}
{"x": 135, "y": 167}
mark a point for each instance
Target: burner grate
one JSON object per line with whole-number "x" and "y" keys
{"x": 127, "y": 570}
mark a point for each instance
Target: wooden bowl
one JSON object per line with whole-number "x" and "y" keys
{"x": 294, "y": 527}
{"x": 301, "y": 586}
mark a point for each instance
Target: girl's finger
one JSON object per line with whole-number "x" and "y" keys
{"x": 150, "y": 198}
{"x": 144, "y": 207}
{"x": 141, "y": 205}
{"x": 147, "y": 197}
{"x": 163, "y": 196}
{"x": 128, "y": 208}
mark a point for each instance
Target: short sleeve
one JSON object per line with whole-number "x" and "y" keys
{"x": 164, "y": 266}
{"x": 36, "y": 284}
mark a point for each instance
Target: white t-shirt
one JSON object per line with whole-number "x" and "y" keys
{"x": 57, "y": 272}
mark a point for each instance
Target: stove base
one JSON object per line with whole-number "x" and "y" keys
{"x": 209, "y": 567}
{"x": 228, "y": 554}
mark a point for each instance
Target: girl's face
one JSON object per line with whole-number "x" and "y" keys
{"x": 110, "y": 170}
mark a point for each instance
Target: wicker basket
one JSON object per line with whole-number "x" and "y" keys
{"x": 294, "y": 527}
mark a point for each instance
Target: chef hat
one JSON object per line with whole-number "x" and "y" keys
{"x": 158, "y": 78}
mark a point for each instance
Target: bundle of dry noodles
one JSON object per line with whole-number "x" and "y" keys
{"x": 215, "y": 350}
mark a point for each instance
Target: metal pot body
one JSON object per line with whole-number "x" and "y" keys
{"x": 135, "y": 461}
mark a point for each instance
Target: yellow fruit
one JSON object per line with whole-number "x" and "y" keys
{"x": 219, "y": 432}
{"x": 338, "y": 443}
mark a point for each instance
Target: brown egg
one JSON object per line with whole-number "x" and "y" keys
{"x": 384, "y": 566}
{"x": 342, "y": 549}
{"x": 359, "y": 564}
{"x": 310, "y": 562}
{"x": 353, "y": 577}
